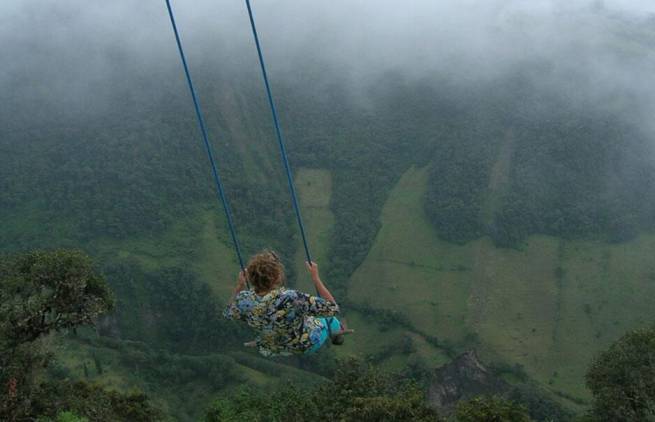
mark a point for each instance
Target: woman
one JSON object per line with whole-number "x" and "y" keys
{"x": 288, "y": 321}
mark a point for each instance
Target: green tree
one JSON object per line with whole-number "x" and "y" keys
{"x": 94, "y": 403}
{"x": 40, "y": 293}
{"x": 622, "y": 379}
{"x": 356, "y": 392}
{"x": 66, "y": 416}
{"x": 70, "y": 417}
{"x": 259, "y": 405}
{"x": 359, "y": 392}
{"x": 491, "y": 409}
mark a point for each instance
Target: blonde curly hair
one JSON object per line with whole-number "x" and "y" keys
{"x": 265, "y": 271}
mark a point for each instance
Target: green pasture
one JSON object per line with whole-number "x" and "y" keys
{"x": 548, "y": 307}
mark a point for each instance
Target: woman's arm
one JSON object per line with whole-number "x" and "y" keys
{"x": 241, "y": 285}
{"x": 312, "y": 267}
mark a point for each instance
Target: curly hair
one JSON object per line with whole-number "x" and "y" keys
{"x": 265, "y": 271}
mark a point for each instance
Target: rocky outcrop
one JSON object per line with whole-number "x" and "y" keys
{"x": 463, "y": 378}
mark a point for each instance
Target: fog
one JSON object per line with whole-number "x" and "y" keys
{"x": 84, "y": 49}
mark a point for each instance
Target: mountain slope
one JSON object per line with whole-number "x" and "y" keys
{"x": 509, "y": 213}
{"x": 549, "y": 306}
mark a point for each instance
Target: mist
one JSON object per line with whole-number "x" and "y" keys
{"x": 80, "y": 52}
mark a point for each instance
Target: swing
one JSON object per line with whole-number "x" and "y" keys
{"x": 336, "y": 338}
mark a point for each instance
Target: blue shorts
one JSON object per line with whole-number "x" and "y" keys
{"x": 335, "y": 327}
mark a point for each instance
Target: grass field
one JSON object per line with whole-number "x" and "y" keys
{"x": 549, "y": 306}
{"x": 409, "y": 270}
{"x": 198, "y": 243}
{"x": 371, "y": 338}
{"x": 314, "y": 192}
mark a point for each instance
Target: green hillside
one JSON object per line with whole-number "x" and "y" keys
{"x": 510, "y": 214}
{"x": 314, "y": 191}
{"x": 548, "y": 306}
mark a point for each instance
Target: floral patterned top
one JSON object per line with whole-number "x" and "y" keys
{"x": 287, "y": 320}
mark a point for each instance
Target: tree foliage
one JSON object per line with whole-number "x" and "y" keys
{"x": 169, "y": 308}
{"x": 48, "y": 291}
{"x": 523, "y": 162}
{"x": 491, "y": 409}
{"x": 622, "y": 379}
{"x": 94, "y": 403}
{"x": 356, "y": 392}
{"x": 41, "y": 293}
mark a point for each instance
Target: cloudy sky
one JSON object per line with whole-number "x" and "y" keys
{"x": 72, "y": 45}
{"x": 411, "y": 34}
{"x": 638, "y": 6}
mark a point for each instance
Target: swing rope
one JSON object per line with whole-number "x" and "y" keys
{"x": 283, "y": 150}
{"x": 210, "y": 155}
{"x": 203, "y": 130}
{"x": 278, "y": 133}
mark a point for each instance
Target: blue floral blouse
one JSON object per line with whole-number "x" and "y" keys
{"x": 286, "y": 320}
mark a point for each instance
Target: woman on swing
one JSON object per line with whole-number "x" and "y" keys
{"x": 288, "y": 321}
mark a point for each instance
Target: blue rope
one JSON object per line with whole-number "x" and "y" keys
{"x": 201, "y": 122}
{"x": 278, "y": 133}
{"x": 283, "y": 150}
